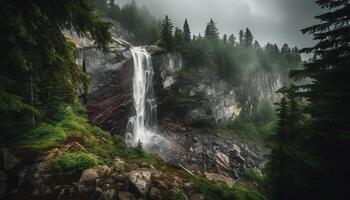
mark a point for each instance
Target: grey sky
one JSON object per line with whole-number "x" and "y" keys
{"x": 277, "y": 21}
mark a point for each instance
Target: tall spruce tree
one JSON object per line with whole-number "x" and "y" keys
{"x": 329, "y": 95}
{"x": 224, "y": 39}
{"x": 167, "y": 33}
{"x": 241, "y": 38}
{"x": 248, "y": 38}
{"x": 212, "y": 32}
{"x": 232, "y": 40}
{"x": 186, "y": 31}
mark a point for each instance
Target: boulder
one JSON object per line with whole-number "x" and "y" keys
{"x": 94, "y": 173}
{"x": 140, "y": 180}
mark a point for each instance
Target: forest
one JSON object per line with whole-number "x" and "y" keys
{"x": 107, "y": 100}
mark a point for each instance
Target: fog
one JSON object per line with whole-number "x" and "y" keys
{"x": 277, "y": 21}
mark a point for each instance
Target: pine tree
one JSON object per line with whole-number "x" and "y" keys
{"x": 187, "y": 32}
{"x": 257, "y": 45}
{"x": 241, "y": 38}
{"x": 224, "y": 39}
{"x": 285, "y": 182}
{"x": 232, "y": 40}
{"x": 167, "y": 33}
{"x": 211, "y": 32}
{"x": 178, "y": 37}
{"x": 248, "y": 37}
{"x": 329, "y": 96}
{"x": 285, "y": 50}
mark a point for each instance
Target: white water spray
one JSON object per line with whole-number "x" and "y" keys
{"x": 141, "y": 126}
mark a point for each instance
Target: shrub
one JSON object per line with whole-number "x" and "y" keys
{"x": 72, "y": 163}
{"x": 178, "y": 194}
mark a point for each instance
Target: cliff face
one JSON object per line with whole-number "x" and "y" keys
{"x": 189, "y": 105}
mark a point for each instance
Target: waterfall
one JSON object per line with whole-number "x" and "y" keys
{"x": 141, "y": 126}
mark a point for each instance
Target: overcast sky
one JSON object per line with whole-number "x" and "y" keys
{"x": 277, "y": 21}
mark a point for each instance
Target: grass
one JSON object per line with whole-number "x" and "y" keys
{"x": 220, "y": 191}
{"x": 178, "y": 194}
{"x": 45, "y": 136}
{"x": 72, "y": 163}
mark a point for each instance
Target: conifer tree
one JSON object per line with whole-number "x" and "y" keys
{"x": 257, "y": 45}
{"x": 37, "y": 57}
{"x": 167, "y": 33}
{"x": 241, "y": 38}
{"x": 178, "y": 37}
{"x": 248, "y": 37}
{"x": 224, "y": 39}
{"x": 186, "y": 31}
{"x": 285, "y": 50}
{"x": 211, "y": 32}
{"x": 329, "y": 95}
{"x": 232, "y": 40}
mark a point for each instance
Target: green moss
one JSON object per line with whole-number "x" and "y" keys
{"x": 101, "y": 133}
{"x": 71, "y": 121}
{"x": 43, "y": 136}
{"x": 72, "y": 163}
{"x": 105, "y": 151}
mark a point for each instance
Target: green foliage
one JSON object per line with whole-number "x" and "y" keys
{"x": 101, "y": 133}
{"x": 178, "y": 194}
{"x": 72, "y": 163}
{"x": 212, "y": 32}
{"x": 38, "y": 72}
{"x": 167, "y": 40}
{"x": 220, "y": 191}
{"x": 44, "y": 136}
{"x": 328, "y": 132}
{"x": 256, "y": 127}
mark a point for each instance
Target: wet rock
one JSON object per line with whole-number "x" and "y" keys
{"x": 141, "y": 180}
{"x": 9, "y": 161}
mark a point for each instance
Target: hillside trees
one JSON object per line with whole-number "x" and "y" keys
{"x": 329, "y": 95}
{"x": 167, "y": 40}
{"x": 38, "y": 62}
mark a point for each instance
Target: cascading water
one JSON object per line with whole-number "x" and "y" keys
{"x": 141, "y": 127}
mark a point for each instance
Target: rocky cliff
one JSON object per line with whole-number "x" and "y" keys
{"x": 187, "y": 102}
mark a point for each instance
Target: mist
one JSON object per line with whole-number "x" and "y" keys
{"x": 276, "y": 21}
